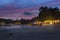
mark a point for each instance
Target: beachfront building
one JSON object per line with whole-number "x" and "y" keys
{"x": 50, "y": 22}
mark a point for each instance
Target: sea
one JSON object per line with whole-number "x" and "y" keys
{"x": 25, "y": 32}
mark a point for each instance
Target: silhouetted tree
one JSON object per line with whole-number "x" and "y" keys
{"x": 54, "y": 12}
{"x": 43, "y": 13}
{"x": 48, "y": 13}
{"x": 24, "y": 21}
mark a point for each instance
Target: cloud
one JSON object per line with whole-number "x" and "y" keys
{"x": 16, "y": 8}
{"x": 27, "y": 13}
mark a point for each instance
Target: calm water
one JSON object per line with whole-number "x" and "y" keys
{"x": 23, "y": 32}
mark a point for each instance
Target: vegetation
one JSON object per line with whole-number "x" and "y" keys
{"x": 48, "y": 13}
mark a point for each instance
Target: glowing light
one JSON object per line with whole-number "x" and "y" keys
{"x": 2, "y": 23}
{"x": 37, "y": 22}
{"x": 48, "y": 22}
{"x": 17, "y": 23}
{"x": 57, "y": 21}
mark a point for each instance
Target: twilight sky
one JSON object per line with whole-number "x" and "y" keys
{"x": 27, "y": 9}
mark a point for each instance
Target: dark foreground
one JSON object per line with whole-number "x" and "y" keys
{"x": 28, "y": 33}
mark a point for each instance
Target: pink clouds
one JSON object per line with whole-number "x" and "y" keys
{"x": 13, "y": 13}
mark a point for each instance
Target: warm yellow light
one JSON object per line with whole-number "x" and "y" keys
{"x": 17, "y": 23}
{"x": 37, "y": 22}
{"x": 51, "y": 22}
{"x": 56, "y": 21}
{"x": 2, "y": 23}
{"x": 48, "y": 22}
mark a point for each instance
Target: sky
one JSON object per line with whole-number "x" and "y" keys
{"x": 27, "y": 9}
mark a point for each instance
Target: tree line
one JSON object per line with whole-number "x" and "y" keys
{"x": 49, "y": 13}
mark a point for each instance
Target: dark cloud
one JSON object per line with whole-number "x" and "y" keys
{"x": 27, "y": 13}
